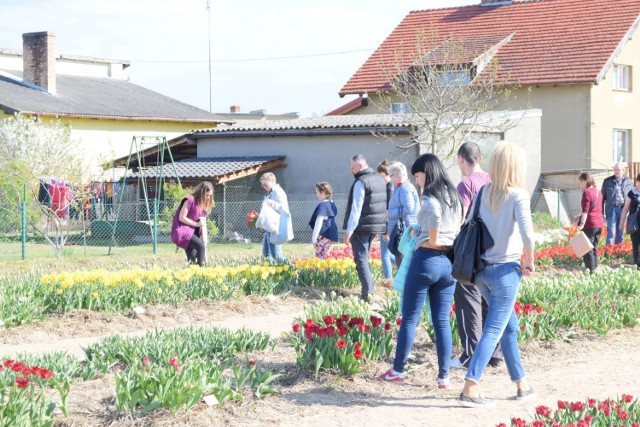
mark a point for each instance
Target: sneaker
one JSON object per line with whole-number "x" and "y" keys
{"x": 444, "y": 383}
{"x": 391, "y": 378}
{"x": 494, "y": 362}
{"x": 456, "y": 364}
{"x": 525, "y": 394}
{"x": 475, "y": 402}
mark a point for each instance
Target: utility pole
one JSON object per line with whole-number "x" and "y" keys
{"x": 210, "y": 90}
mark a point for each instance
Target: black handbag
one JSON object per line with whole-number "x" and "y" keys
{"x": 396, "y": 234}
{"x": 472, "y": 241}
{"x": 394, "y": 238}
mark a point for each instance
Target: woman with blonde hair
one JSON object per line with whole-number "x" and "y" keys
{"x": 190, "y": 217}
{"x": 277, "y": 199}
{"x": 505, "y": 209}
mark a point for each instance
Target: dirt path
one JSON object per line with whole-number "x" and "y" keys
{"x": 597, "y": 367}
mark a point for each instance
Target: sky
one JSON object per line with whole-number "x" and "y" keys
{"x": 281, "y": 56}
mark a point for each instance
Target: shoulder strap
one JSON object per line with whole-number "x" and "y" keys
{"x": 478, "y": 199}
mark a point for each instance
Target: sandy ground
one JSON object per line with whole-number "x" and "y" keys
{"x": 591, "y": 366}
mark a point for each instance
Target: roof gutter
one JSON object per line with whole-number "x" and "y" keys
{"x": 127, "y": 118}
{"x": 387, "y": 130}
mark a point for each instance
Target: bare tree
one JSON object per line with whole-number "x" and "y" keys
{"x": 446, "y": 88}
{"x": 30, "y": 151}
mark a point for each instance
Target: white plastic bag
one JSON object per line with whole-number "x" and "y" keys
{"x": 285, "y": 230}
{"x": 268, "y": 219}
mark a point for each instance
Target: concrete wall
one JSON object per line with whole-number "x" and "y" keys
{"x": 326, "y": 158}
{"x": 310, "y": 159}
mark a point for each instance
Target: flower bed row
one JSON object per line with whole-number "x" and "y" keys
{"x": 622, "y": 411}
{"x": 556, "y": 307}
{"x": 24, "y": 299}
{"x": 169, "y": 369}
{"x": 25, "y": 396}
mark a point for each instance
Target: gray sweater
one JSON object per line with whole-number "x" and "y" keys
{"x": 511, "y": 226}
{"x": 432, "y": 215}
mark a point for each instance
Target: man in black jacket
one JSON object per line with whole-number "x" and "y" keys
{"x": 614, "y": 190}
{"x": 365, "y": 217}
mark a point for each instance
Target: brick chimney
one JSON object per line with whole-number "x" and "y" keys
{"x": 39, "y": 59}
{"x": 234, "y": 109}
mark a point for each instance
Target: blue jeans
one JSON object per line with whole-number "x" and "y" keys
{"x": 361, "y": 245}
{"x": 386, "y": 258}
{"x": 270, "y": 251}
{"x": 612, "y": 226}
{"x": 498, "y": 284}
{"x": 429, "y": 274}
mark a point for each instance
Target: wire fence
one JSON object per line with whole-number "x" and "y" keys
{"x": 107, "y": 227}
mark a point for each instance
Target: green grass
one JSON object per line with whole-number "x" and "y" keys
{"x": 40, "y": 257}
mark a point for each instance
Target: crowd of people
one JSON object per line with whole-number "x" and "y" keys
{"x": 383, "y": 201}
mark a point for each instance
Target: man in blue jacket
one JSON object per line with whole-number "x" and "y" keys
{"x": 614, "y": 190}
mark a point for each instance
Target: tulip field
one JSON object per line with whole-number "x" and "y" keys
{"x": 203, "y": 374}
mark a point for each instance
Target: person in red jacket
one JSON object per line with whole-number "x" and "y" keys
{"x": 591, "y": 220}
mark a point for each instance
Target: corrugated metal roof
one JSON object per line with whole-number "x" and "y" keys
{"x": 555, "y": 41}
{"x": 96, "y": 97}
{"x": 323, "y": 122}
{"x": 207, "y": 167}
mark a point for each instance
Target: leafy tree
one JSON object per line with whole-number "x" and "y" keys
{"x": 444, "y": 87}
{"x": 31, "y": 150}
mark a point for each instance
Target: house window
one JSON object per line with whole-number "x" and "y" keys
{"x": 621, "y": 144}
{"x": 454, "y": 78}
{"x": 400, "y": 108}
{"x": 621, "y": 75}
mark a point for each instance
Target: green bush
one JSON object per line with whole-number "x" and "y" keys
{"x": 544, "y": 221}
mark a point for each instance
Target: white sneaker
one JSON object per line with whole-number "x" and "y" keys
{"x": 455, "y": 364}
{"x": 444, "y": 383}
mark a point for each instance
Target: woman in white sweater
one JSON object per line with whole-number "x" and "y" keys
{"x": 505, "y": 209}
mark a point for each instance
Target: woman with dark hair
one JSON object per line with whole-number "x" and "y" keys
{"x": 591, "y": 220}
{"x": 631, "y": 207}
{"x": 188, "y": 221}
{"x": 429, "y": 274}
{"x": 385, "y": 256}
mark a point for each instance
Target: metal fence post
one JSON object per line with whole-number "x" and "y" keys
{"x": 155, "y": 226}
{"x": 24, "y": 221}
{"x": 559, "y": 205}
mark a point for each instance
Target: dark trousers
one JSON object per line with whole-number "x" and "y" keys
{"x": 361, "y": 245}
{"x": 591, "y": 257}
{"x": 635, "y": 244}
{"x": 195, "y": 251}
{"x": 471, "y": 312}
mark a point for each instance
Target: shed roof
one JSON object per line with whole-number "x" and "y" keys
{"x": 96, "y": 97}
{"x": 217, "y": 169}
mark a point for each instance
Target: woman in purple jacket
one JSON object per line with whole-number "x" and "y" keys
{"x": 188, "y": 221}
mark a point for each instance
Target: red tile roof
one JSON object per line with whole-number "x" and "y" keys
{"x": 349, "y": 106}
{"x": 554, "y": 41}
